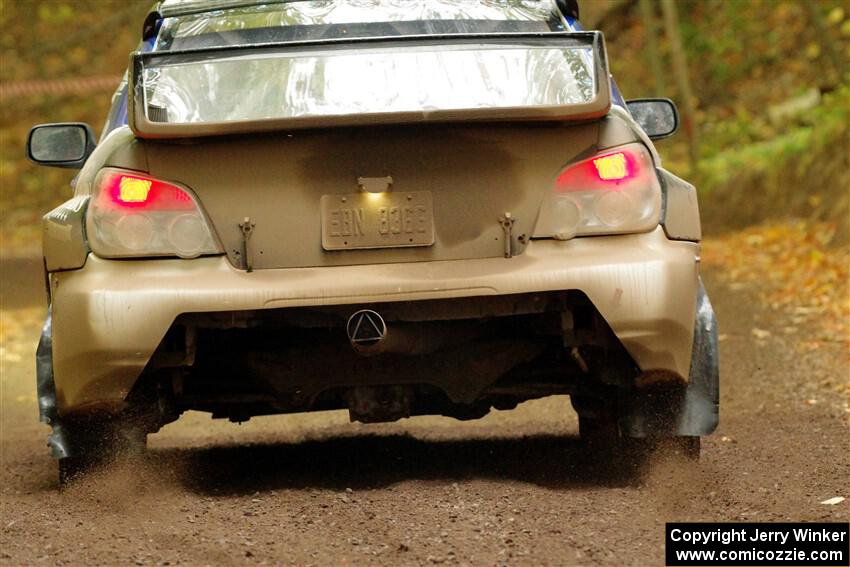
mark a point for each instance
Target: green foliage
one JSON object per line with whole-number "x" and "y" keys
{"x": 804, "y": 171}
{"x": 813, "y": 133}
{"x": 54, "y": 14}
{"x": 746, "y": 58}
{"x": 740, "y": 53}
{"x": 44, "y": 40}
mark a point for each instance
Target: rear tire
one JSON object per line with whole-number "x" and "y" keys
{"x": 601, "y": 435}
{"x": 94, "y": 443}
{"x": 687, "y": 447}
{"x": 71, "y": 468}
{"x": 683, "y": 447}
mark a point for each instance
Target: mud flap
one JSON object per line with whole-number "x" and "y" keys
{"x": 701, "y": 411}
{"x": 46, "y": 390}
{"x": 694, "y": 411}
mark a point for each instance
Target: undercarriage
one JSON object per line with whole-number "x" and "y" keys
{"x": 454, "y": 357}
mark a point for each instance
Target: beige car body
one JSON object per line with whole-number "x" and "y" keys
{"x": 110, "y": 315}
{"x": 496, "y": 309}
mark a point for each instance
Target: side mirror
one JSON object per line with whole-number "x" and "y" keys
{"x": 657, "y": 116}
{"x": 66, "y": 144}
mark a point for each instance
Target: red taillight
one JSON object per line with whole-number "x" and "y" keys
{"x": 132, "y": 191}
{"x": 614, "y": 192}
{"x": 599, "y": 173}
{"x": 132, "y": 215}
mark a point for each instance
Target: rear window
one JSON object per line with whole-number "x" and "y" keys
{"x": 419, "y": 78}
{"x": 317, "y": 63}
{"x": 324, "y": 19}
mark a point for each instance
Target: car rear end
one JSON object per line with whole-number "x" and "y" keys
{"x": 439, "y": 215}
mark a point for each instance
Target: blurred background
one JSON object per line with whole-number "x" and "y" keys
{"x": 762, "y": 86}
{"x": 764, "y": 96}
{"x": 764, "y": 89}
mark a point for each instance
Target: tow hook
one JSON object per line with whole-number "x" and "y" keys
{"x": 247, "y": 228}
{"x": 507, "y": 222}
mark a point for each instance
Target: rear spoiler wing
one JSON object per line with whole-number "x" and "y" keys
{"x": 143, "y": 127}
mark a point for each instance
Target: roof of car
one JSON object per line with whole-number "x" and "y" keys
{"x": 169, "y": 8}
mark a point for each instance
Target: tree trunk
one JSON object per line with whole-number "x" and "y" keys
{"x": 825, "y": 43}
{"x": 650, "y": 27}
{"x": 680, "y": 70}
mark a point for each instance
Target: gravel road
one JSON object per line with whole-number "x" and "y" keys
{"x": 512, "y": 489}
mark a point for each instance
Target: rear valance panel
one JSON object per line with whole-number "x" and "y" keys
{"x": 475, "y": 77}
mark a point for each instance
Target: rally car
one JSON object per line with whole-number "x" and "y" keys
{"x": 392, "y": 208}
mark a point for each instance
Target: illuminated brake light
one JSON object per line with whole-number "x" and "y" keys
{"x": 612, "y": 167}
{"x": 134, "y": 215}
{"x": 616, "y": 191}
{"x": 615, "y": 171}
{"x": 126, "y": 191}
{"x": 133, "y": 189}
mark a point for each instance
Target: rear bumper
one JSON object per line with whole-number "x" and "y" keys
{"x": 109, "y": 316}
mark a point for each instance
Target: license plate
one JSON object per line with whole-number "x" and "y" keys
{"x": 377, "y": 220}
